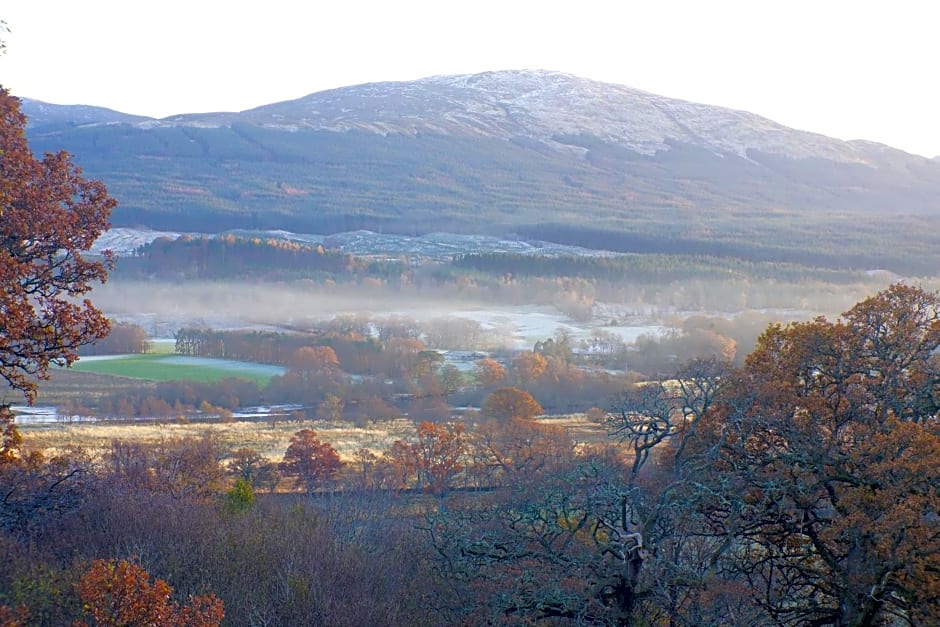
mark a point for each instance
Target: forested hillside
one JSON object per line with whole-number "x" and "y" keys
{"x": 536, "y": 154}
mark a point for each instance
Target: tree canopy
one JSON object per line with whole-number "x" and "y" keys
{"x": 799, "y": 489}
{"x": 826, "y": 444}
{"x": 49, "y": 217}
{"x": 506, "y": 403}
{"x": 309, "y": 460}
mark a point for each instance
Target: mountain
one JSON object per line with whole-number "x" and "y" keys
{"x": 549, "y": 107}
{"x": 46, "y": 115}
{"x": 536, "y": 153}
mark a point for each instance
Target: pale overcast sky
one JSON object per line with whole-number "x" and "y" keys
{"x": 850, "y": 69}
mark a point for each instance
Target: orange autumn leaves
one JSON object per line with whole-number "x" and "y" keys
{"x": 120, "y": 593}
{"x": 116, "y": 593}
{"x": 830, "y": 435}
{"x": 310, "y": 461}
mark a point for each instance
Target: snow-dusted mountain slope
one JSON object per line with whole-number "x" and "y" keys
{"x": 530, "y": 153}
{"x": 43, "y": 113}
{"x": 542, "y": 105}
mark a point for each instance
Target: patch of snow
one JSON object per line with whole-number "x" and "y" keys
{"x": 437, "y": 246}
{"x": 89, "y": 358}
{"x": 123, "y": 241}
{"x": 290, "y": 128}
{"x": 266, "y": 411}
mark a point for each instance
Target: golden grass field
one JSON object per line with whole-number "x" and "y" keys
{"x": 268, "y": 437}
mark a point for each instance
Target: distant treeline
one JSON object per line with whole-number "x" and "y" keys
{"x": 229, "y": 256}
{"x": 260, "y": 346}
{"x": 356, "y": 354}
{"x": 210, "y": 220}
{"x": 647, "y": 268}
{"x": 845, "y": 257}
{"x": 122, "y": 338}
{"x": 240, "y": 257}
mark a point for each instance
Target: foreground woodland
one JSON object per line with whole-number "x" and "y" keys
{"x": 797, "y": 489}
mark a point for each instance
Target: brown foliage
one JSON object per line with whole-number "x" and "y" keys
{"x": 372, "y": 408}
{"x": 331, "y": 408}
{"x": 10, "y": 617}
{"x": 49, "y": 216}
{"x": 120, "y": 593}
{"x": 489, "y": 372}
{"x": 429, "y": 407}
{"x": 122, "y": 338}
{"x": 36, "y": 491}
{"x": 506, "y": 403}
{"x": 309, "y": 460}
{"x": 438, "y": 453}
{"x": 521, "y": 449}
{"x": 431, "y": 462}
{"x": 10, "y": 438}
{"x": 249, "y": 465}
{"x": 400, "y": 465}
{"x": 184, "y": 468}
{"x": 309, "y": 360}
{"x": 828, "y": 438}
{"x": 529, "y": 366}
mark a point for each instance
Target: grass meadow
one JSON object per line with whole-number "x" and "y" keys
{"x": 169, "y": 367}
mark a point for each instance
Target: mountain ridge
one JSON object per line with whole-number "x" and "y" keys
{"x": 489, "y": 84}
{"x": 531, "y": 152}
{"x": 46, "y": 113}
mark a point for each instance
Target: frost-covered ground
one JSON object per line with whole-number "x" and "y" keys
{"x": 513, "y": 326}
{"x": 162, "y": 309}
{"x": 528, "y": 324}
{"x": 235, "y": 367}
{"x": 123, "y": 241}
{"x": 36, "y": 414}
{"x": 433, "y": 246}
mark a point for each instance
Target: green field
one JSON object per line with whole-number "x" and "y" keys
{"x": 169, "y": 367}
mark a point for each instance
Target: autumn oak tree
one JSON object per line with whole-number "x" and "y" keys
{"x": 250, "y": 466}
{"x": 506, "y": 403}
{"x": 826, "y": 470}
{"x": 438, "y": 454}
{"x": 308, "y": 361}
{"x": 430, "y": 462}
{"x": 310, "y": 461}
{"x": 489, "y": 372}
{"x": 49, "y": 216}
{"x": 529, "y": 366}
